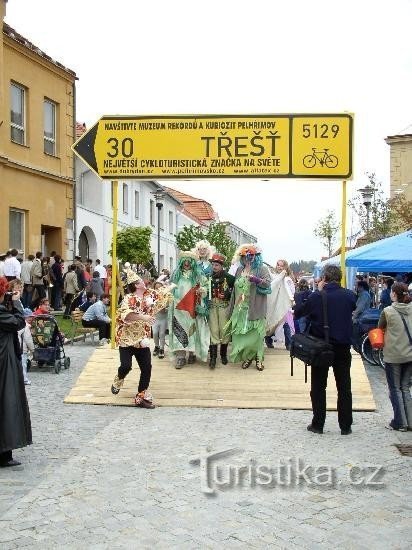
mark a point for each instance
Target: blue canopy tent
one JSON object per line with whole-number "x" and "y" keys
{"x": 393, "y": 254}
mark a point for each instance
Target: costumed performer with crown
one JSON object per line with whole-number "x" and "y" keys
{"x": 247, "y": 308}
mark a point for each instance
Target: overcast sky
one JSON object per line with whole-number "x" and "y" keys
{"x": 137, "y": 57}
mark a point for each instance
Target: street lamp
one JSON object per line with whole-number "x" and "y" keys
{"x": 367, "y": 196}
{"x": 159, "y": 196}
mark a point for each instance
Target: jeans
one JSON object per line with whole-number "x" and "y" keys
{"x": 27, "y": 293}
{"x": 288, "y": 335}
{"x": 24, "y": 366}
{"x": 319, "y": 379}
{"x": 398, "y": 377}
{"x": 56, "y": 301}
{"x": 144, "y": 360}
{"x": 159, "y": 330}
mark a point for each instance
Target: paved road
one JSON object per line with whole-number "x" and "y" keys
{"x": 112, "y": 477}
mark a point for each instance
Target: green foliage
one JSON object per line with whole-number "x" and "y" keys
{"x": 303, "y": 266}
{"x": 387, "y": 217}
{"x": 327, "y": 230}
{"x": 214, "y": 233}
{"x": 133, "y": 245}
{"x": 188, "y": 237}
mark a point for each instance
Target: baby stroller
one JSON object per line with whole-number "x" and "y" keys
{"x": 48, "y": 343}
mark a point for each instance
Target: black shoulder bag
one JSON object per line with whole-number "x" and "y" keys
{"x": 316, "y": 352}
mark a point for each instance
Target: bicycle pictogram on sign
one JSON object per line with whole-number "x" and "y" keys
{"x": 320, "y": 156}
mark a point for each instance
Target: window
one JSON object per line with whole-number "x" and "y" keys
{"x": 17, "y": 114}
{"x": 49, "y": 113}
{"x": 152, "y": 213}
{"x": 161, "y": 218}
{"x": 170, "y": 264}
{"x": 136, "y": 204}
{"x": 171, "y": 222}
{"x": 16, "y": 229}
{"x": 125, "y": 199}
{"x": 162, "y": 261}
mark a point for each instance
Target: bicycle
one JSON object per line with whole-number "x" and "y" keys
{"x": 320, "y": 156}
{"x": 371, "y": 355}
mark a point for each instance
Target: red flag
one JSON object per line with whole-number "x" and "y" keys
{"x": 188, "y": 302}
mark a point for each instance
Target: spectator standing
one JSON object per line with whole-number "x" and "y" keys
{"x": 56, "y": 274}
{"x": 96, "y": 317}
{"x": 26, "y": 344}
{"x": 101, "y": 270}
{"x": 396, "y": 321}
{"x": 340, "y": 305}
{"x": 2, "y": 258}
{"x": 159, "y": 327}
{"x": 15, "y": 426}
{"x": 36, "y": 274}
{"x": 79, "y": 269}
{"x": 26, "y": 280}
{"x": 300, "y": 298}
{"x": 363, "y": 303}
{"x": 96, "y": 285}
{"x": 71, "y": 288}
{"x": 12, "y": 266}
{"x": 386, "y": 293}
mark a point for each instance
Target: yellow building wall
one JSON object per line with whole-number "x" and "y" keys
{"x": 30, "y": 180}
{"x": 401, "y": 165}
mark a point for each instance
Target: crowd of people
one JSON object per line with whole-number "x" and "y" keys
{"x": 203, "y": 308}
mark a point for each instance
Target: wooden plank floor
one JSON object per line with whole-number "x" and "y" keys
{"x": 226, "y": 386}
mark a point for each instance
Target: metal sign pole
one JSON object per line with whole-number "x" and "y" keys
{"x": 343, "y": 236}
{"x": 113, "y": 298}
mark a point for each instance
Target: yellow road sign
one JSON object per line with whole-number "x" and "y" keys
{"x": 214, "y": 146}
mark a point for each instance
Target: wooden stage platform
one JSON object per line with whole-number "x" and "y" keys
{"x": 226, "y": 386}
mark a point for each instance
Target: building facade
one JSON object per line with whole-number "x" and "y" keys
{"x": 136, "y": 208}
{"x": 37, "y": 107}
{"x": 401, "y": 164}
{"x": 239, "y": 235}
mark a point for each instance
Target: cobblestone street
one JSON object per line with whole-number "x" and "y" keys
{"x": 117, "y": 477}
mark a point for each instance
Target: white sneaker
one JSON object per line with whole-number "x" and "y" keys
{"x": 103, "y": 341}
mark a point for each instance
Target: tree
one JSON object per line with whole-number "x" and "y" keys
{"x": 327, "y": 229}
{"x": 215, "y": 234}
{"x": 384, "y": 217}
{"x": 133, "y": 245}
{"x": 375, "y": 219}
{"x": 303, "y": 266}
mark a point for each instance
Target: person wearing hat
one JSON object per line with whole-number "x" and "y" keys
{"x": 134, "y": 319}
{"x": 247, "y": 308}
{"x": 221, "y": 287}
{"x": 188, "y": 312}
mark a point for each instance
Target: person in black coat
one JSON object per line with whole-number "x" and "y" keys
{"x": 15, "y": 426}
{"x": 341, "y": 302}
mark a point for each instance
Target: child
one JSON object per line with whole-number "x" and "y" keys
{"x": 159, "y": 327}
{"x": 26, "y": 344}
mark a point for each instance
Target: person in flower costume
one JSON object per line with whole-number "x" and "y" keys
{"x": 134, "y": 318}
{"x": 188, "y": 326}
{"x": 247, "y": 309}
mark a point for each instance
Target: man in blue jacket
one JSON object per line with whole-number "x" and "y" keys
{"x": 340, "y": 305}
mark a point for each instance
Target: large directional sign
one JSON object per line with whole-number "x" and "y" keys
{"x": 220, "y": 146}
